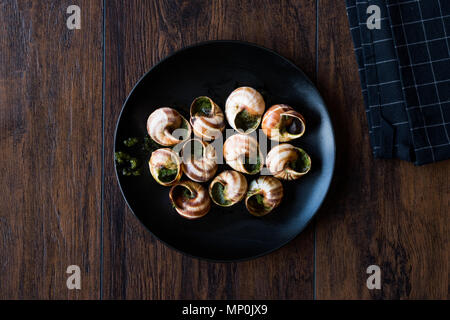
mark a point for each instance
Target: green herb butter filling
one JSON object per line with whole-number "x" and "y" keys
{"x": 250, "y": 166}
{"x": 130, "y": 141}
{"x": 302, "y": 163}
{"x": 181, "y": 194}
{"x": 291, "y": 125}
{"x": 129, "y": 164}
{"x": 166, "y": 174}
{"x": 132, "y": 162}
{"x": 218, "y": 194}
{"x": 184, "y": 124}
{"x": 187, "y": 194}
{"x": 150, "y": 145}
{"x": 244, "y": 120}
{"x": 122, "y": 157}
{"x": 202, "y": 107}
{"x": 183, "y": 134}
{"x": 257, "y": 203}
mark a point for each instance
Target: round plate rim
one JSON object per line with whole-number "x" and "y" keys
{"x": 245, "y": 43}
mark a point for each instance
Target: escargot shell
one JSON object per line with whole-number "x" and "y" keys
{"x": 199, "y": 160}
{"x": 166, "y": 125}
{"x": 242, "y": 153}
{"x": 282, "y": 123}
{"x": 228, "y": 188}
{"x": 263, "y": 195}
{"x": 190, "y": 199}
{"x": 165, "y": 166}
{"x": 244, "y": 109}
{"x": 288, "y": 162}
{"x": 207, "y": 118}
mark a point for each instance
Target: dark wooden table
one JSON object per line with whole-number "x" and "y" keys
{"x": 61, "y": 92}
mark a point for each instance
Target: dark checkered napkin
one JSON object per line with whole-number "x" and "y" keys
{"x": 404, "y": 69}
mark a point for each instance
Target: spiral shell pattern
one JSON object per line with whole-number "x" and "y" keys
{"x": 288, "y": 162}
{"x": 162, "y": 123}
{"x": 270, "y": 191}
{"x": 210, "y": 125}
{"x": 244, "y": 99}
{"x": 282, "y": 123}
{"x": 240, "y": 147}
{"x": 165, "y": 159}
{"x": 199, "y": 168}
{"x": 234, "y": 187}
{"x": 190, "y": 199}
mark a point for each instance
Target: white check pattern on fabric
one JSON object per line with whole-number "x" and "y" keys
{"x": 405, "y": 77}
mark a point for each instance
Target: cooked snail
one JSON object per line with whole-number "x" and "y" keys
{"x": 282, "y": 123}
{"x": 228, "y": 188}
{"x": 199, "y": 160}
{"x": 263, "y": 195}
{"x": 288, "y": 162}
{"x": 165, "y": 166}
{"x": 244, "y": 109}
{"x": 166, "y": 125}
{"x": 207, "y": 118}
{"x": 190, "y": 199}
{"x": 242, "y": 153}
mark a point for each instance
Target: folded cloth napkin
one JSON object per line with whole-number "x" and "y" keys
{"x": 404, "y": 67}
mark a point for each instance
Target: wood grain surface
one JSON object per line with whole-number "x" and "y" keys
{"x": 50, "y": 137}
{"x": 384, "y": 212}
{"x": 61, "y": 92}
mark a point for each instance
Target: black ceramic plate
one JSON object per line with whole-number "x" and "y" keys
{"x": 215, "y": 69}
